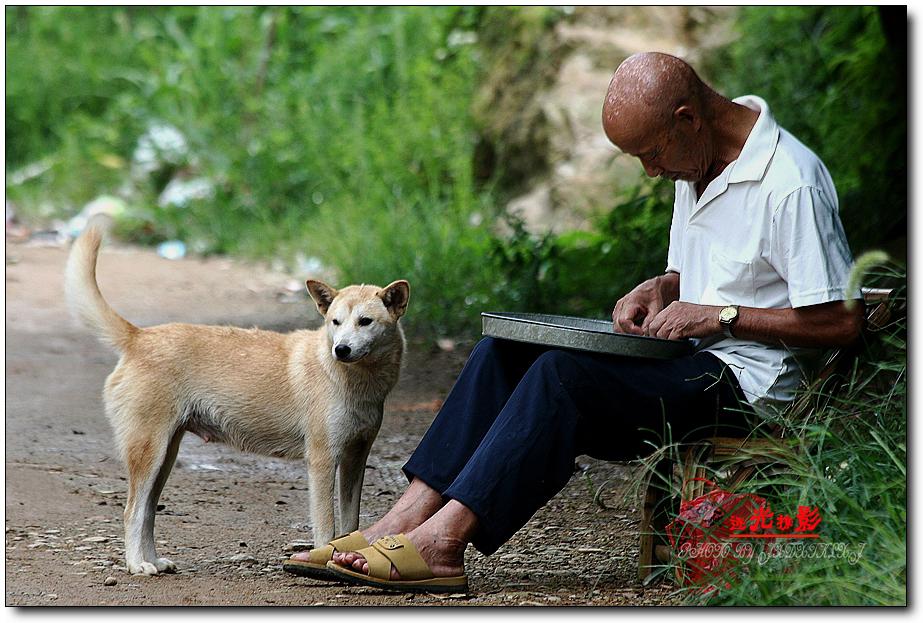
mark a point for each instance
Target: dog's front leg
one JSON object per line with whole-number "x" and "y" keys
{"x": 352, "y": 473}
{"x": 321, "y": 478}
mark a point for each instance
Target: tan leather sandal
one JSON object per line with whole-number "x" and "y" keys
{"x": 316, "y": 566}
{"x": 399, "y": 552}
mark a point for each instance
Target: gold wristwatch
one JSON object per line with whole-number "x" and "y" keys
{"x": 727, "y": 317}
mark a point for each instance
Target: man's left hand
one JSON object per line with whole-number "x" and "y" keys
{"x": 683, "y": 320}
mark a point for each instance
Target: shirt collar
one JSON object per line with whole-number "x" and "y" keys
{"x": 760, "y": 144}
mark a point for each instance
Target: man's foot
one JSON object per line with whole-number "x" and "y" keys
{"x": 441, "y": 542}
{"x": 445, "y": 556}
{"x": 418, "y": 504}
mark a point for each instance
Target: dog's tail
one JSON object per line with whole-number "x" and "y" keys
{"x": 82, "y": 292}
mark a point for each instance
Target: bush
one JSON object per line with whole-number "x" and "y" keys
{"x": 584, "y": 273}
{"x": 833, "y": 80}
{"x": 342, "y": 134}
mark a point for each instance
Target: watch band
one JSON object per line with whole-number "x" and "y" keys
{"x": 726, "y": 327}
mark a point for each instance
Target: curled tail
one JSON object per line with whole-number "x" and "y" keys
{"x": 82, "y": 292}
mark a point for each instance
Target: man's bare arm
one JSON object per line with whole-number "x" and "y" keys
{"x": 824, "y": 325}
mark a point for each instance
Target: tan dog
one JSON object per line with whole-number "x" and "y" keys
{"x": 318, "y": 394}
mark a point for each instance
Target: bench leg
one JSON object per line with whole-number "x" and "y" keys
{"x": 655, "y": 515}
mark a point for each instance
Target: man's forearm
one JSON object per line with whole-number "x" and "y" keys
{"x": 823, "y": 325}
{"x": 830, "y": 324}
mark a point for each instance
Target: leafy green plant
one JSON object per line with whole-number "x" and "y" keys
{"x": 848, "y": 459}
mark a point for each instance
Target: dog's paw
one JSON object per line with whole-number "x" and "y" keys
{"x": 142, "y": 568}
{"x": 165, "y": 565}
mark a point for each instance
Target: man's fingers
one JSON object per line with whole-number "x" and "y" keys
{"x": 656, "y": 321}
{"x": 625, "y": 320}
{"x": 626, "y": 325}
{"x": 648, "y": 321}
{"x": 616, "y": 310}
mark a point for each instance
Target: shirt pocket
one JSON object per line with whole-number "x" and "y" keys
{"x": 730, "y": 281}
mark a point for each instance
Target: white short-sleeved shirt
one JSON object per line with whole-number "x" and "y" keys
{"x": 766, "y": 233}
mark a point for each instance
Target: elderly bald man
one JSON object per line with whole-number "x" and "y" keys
{"x": 757, "y": 264}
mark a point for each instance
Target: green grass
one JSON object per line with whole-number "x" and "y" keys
{"x": 344, "y": 135}
{"x": 848, "y": 459}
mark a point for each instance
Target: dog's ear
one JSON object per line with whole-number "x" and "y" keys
{"x": 395, "y": 297}
{"x": 322, "y": 294}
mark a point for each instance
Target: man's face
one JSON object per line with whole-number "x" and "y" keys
{"x": 675, "y": 152}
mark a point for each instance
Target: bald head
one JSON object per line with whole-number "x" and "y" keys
{"x": 644, "y": 93}
{"x": 658, "y": 110}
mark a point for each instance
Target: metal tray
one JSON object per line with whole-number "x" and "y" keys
{"x": 584, "y": 334}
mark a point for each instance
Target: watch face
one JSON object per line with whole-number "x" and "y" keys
{"x": 727, "y": 314}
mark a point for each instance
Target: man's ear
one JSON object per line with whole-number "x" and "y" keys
{"x": 395, "y": 297}
{"x": 688, "y": 114}
{"x": 322, "y": 294}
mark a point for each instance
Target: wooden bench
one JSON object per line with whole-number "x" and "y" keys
{"x": 732, "y": 460}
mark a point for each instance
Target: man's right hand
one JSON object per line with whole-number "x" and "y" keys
{"x": 634, "y": 312}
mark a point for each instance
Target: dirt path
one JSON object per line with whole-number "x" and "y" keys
{"x": 228, "y": 517}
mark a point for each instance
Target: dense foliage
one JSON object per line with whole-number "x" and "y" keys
{"x": 342, "y": 135}
{"x": 361, "y": 139}
{"x": 835, "y": 81}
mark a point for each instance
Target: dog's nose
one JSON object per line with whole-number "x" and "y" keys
{"x": 342, "y": 351}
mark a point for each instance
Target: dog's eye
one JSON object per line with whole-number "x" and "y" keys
{"x": 336, "y": 322}
{"x": 363, "y": 322}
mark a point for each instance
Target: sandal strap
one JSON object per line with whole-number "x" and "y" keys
{"x": 379, "y": 564}
{"x": 321, "y": 555}
{"x": 401, "y": 553}
{"x": 350, "y": 543}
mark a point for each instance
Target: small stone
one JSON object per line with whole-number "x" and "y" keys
{"x": 446, "y": 345}
{"x": 298, "y": 546}
{"x": 95, "y": 539}
{"x": 242, "y": 558}
{"x": 110, "y": 581}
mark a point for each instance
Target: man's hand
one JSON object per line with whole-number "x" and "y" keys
{"x": 634, "y": 312}
{"x": 685, "y": 320}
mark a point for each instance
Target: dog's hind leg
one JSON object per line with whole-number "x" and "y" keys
{"x": 150, "y": 456}
{"x": 163, "y": 564}
{"x": 352, "y": 472}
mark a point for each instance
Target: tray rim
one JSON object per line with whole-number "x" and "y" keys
{"x": 679, "y": 348}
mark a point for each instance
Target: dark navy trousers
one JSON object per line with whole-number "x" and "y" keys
{"x": 505, "y": 440}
